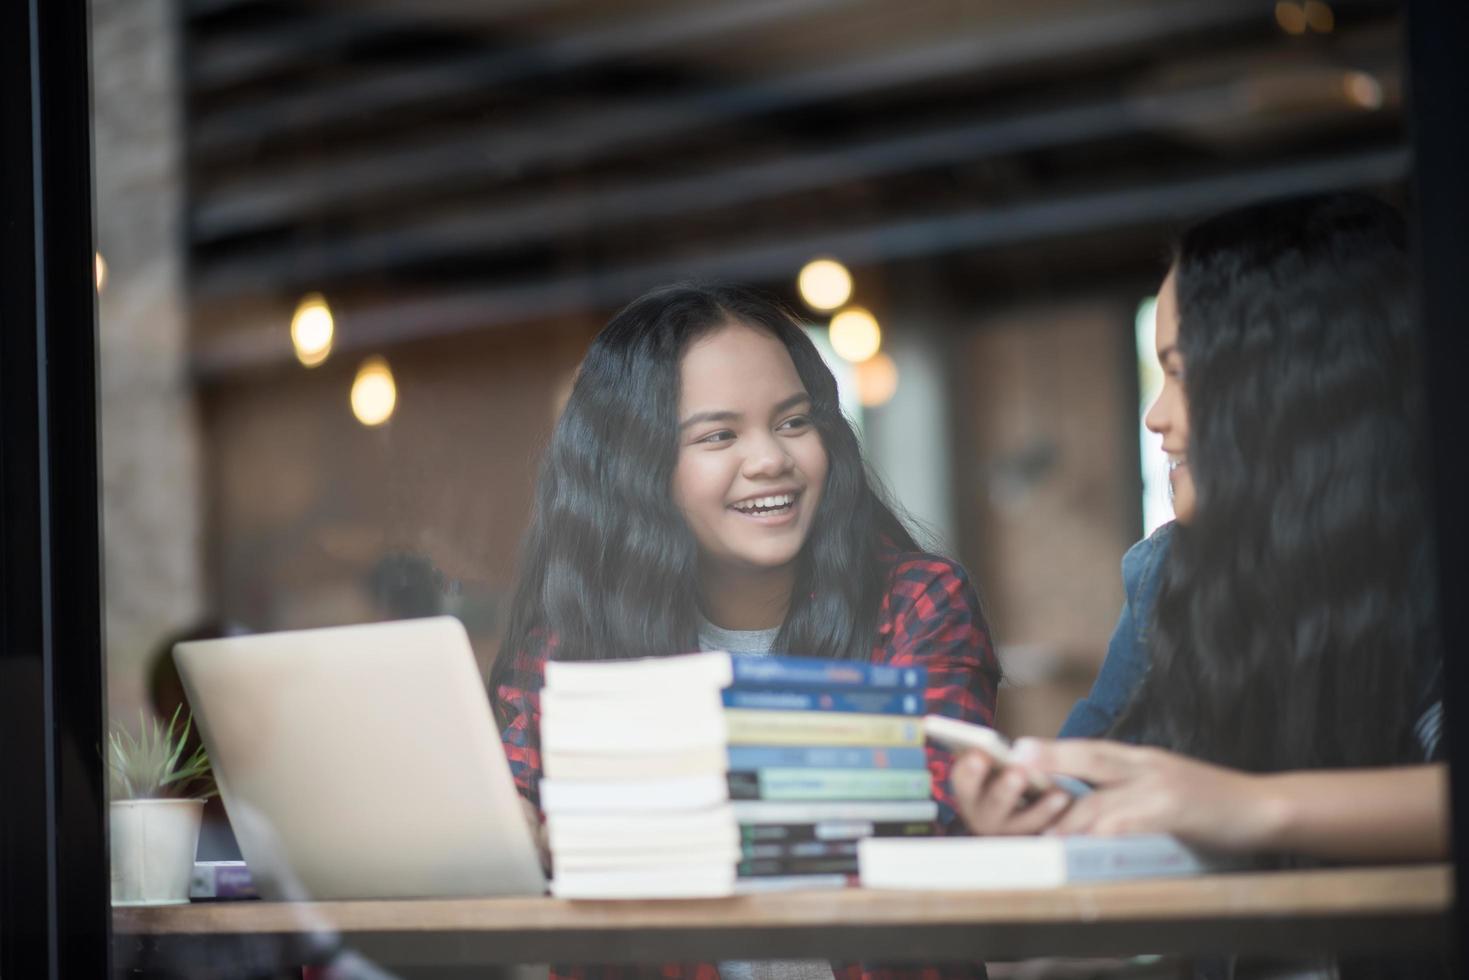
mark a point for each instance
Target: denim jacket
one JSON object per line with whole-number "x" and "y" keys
{"x": 1127, "y": 653}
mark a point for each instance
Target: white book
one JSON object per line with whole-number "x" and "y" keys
{"x": 563, "y": 842}
{"x": 880, "y": 811}
{"x": 576, "y": 723}
{"x": 588, "y": 830}
{"x": 711, "y": 671}
{"x": 647, "y": 859}
{"x": 714, "y": 881}
{"x": 645, "y": 796}
{"x": 980, "y": 863}
{"x": 609, "y": 767}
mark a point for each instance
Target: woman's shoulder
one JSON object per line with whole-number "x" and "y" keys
{"x": 921, "y": 567}
{"x": 927, "y": 585}
{"x": 1143, "y": 562}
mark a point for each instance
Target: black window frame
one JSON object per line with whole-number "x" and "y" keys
{"x": 55, "y": 915}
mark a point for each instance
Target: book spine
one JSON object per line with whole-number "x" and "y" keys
{"x": 798, "y": 866}
{"x": 751, "y": 757}
{"x": 807, "y": 672}
{"x": 748, "y": 726}
{"x": 750, "y": 851}
{"x": 833, "y": 830}
{"x": 864, "y": 702}
{"x": 830, "y": 784}
{"x": 826, "y": 811}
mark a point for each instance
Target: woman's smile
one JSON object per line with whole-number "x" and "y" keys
{"x": 769, "y": 509}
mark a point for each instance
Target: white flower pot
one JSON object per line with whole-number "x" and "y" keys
{"x": 153, "y": 845}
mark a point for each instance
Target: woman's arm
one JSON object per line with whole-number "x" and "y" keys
{"x": 1389, "y": 814}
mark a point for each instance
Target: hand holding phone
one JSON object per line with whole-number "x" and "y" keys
{"x": 959, "y": 736}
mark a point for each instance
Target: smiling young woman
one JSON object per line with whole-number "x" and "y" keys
{"x": 703, "y": 490}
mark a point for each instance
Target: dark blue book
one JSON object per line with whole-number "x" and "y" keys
{"x": 771, "y": 671}
{"x": 848, "y": 699}
{"x": 751, "y": 758}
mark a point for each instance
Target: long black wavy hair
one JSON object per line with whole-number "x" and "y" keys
{"x": 1295, "y": 625}
{"x": 608, "y": 565}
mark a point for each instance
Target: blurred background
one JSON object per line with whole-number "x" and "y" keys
{"x": 350, "y": 252}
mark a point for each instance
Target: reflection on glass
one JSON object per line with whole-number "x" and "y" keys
{"x": 374, "y": 393}
{"x": 825, "y": 284}
{"x": 312, "y": 329}
{"x": 855, "y": 334}
{"x": 877, "y": 380}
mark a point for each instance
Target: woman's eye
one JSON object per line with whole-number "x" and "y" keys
{"x": 723, "y": 435}
{"x": 795, "y": 423}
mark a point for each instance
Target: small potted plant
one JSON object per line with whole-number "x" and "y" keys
{"x": 157, "y": 802}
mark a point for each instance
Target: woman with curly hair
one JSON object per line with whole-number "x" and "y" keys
{"x": 1277, "y": 665}
{"x": 703, "y": 490}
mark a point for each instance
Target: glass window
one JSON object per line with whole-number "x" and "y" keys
{"x": 350, "y": 257}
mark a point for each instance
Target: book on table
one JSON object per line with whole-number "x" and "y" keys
{"x": 635, "y": 789}
{"x": 981, "y": 863}
{"x": 642, "y": 759}
{"x": 823, "y": 752}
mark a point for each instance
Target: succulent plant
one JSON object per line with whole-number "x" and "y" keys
{"x": 153, "y": 766}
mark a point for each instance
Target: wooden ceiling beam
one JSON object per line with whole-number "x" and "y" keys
{"x": 276, "y": 197}
{"x": 492, "y": 228}
{"x": 382, "y": 325}
{"x": 242, "y": 56}
{"x": 469, "y": 76}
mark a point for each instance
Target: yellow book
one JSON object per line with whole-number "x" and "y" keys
{"x": 749, "y": 726}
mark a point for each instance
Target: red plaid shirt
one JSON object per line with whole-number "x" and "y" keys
{"x": 931, "y": 617}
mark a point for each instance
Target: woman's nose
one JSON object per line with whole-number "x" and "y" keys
{"x": 766, "y": 458}
{"x": 1156, "y": 418}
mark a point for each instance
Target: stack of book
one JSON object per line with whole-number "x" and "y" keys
{"x": 634, "y": 789}
{"x": 823, "y": 754}
{"x": 708, "y": 774}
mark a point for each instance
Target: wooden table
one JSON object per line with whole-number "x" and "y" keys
{"x": 1358, "y": 910}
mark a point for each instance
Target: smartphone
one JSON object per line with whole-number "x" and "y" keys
{"x": 957, "y": 736}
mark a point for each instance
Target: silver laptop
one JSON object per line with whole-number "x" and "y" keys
{"x": 361, "y": 762}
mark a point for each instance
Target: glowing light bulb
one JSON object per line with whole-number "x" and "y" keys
{"x": 854, "y": 334}
{"x": 825, "y": 284}
{"x": 877, "y": 380}
{"x": 1319, "y": 16}
{"x": 374, "y": 393}
{"x": 1362, "y": 89}
{"x": 1291, "y": 17}
{"x": 312, "y": 329}
{"x": 99, "y": 271}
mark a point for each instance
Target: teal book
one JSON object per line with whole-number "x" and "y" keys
{"x": 830, "y": 784}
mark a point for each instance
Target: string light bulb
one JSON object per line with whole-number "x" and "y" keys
{"x": 825, "y": 284}
{"x": 877, "y": 380}
{"x": 374, "y": 392}
{"x": 854, "y": 334}
{"x": 1319, "y": 16}
{"x": 312, "y": 329}
{"x": 1291, "y": 17}
{"x": 1362, "y": 90}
